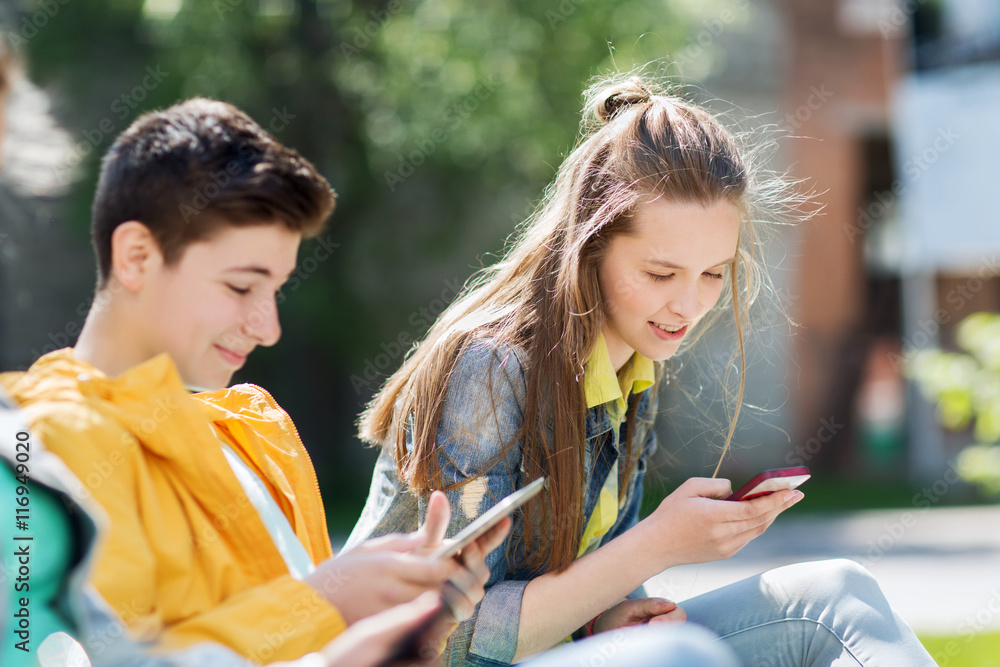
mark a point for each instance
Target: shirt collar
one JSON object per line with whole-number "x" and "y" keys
{"x": 600, "y": 382}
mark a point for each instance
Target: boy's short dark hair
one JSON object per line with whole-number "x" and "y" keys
{"x": 199, "y": 166}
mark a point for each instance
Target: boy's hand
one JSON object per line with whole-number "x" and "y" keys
{"x": 373, "y": 641}
{"x": 466, "y": 585}
{"x": 469, "y": 582}
{"x": 394, "y": 569}
{"x": 379, "y": 574}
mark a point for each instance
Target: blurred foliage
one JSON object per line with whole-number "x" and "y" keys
{"x": 964, "y": 650}
{"x": 966, "y": 388}
{"x": 439, "y": 122}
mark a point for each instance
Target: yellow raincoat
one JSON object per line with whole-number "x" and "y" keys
{"x": 186, "y": 557}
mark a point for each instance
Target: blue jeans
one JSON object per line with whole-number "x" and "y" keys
{"x": 681, "y": 645}
{"x": 829, "y": 613}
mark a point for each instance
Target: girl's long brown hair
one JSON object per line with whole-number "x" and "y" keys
{"x": 543, "y": 298}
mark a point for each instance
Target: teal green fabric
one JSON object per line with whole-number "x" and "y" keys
{"x": 50, "y": 557}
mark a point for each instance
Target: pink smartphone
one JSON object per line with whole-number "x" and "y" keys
{"x": 770, "y": 481}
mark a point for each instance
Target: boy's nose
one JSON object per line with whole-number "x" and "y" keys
{"x": 262, "y": 325}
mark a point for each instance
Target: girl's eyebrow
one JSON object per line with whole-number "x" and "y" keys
{"x": 670, "y": 265}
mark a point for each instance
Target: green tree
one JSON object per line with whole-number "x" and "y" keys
{"x": 439, "y": 123}
{"x": 965, "y": 386}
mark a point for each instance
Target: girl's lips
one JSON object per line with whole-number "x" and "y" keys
{"x": 666, "y": 335}
{"x": 231, "y": 357}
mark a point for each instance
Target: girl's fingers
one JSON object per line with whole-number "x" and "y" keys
{"x": 706, "y": 487}
{"x": 663, "y": 605}
{"x": 676, "y": 615}
{"x": 780, "y": 501}
{"x": 644, "y": 609}
{"x": 754, "y": 517}
{"x": 752, "y": 530}
{"x": 764, "y": 508}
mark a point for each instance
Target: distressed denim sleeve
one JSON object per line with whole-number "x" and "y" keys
{"x": 480, "y": 420}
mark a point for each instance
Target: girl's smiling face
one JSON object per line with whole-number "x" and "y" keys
{"x": 660, "y": 278}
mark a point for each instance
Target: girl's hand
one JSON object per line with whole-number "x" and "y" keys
{"x": 693, "y": 524}
{"x": 675, "y": 615}
{"x": 637, "y": 612}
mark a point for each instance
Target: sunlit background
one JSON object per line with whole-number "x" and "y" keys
{"x": 440, "y": 122}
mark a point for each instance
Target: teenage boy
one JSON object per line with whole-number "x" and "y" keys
{"x": 217, "y": 527}
{"x": 53, "y": 597}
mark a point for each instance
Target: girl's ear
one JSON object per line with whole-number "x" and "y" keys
{"x": 135, "y": 253}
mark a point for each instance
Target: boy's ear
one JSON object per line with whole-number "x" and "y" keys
{"x": 134, "y": 253}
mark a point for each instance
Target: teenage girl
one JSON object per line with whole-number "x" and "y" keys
{"x": 548, "y": 363}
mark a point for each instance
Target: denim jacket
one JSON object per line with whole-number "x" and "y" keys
{"x": 482, "y": 412}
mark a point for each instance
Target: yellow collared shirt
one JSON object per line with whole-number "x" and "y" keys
{"x": 602, "y": 386}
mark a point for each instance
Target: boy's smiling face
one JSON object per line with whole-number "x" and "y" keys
{"x": 217, "y": 303}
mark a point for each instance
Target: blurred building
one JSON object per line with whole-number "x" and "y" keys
{"x": 848, "y": 407}
{"x": 887, "y": 110}
{"x": 947, "y": 139}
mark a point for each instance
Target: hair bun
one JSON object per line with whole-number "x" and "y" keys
{"x": 621, "y": 96}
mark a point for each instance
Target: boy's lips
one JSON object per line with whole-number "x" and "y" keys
{"x": 667, "y": 335}
{"x": 232, "y": 358}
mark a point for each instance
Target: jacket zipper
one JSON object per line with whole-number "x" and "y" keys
{"x": 312, "y": 468}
